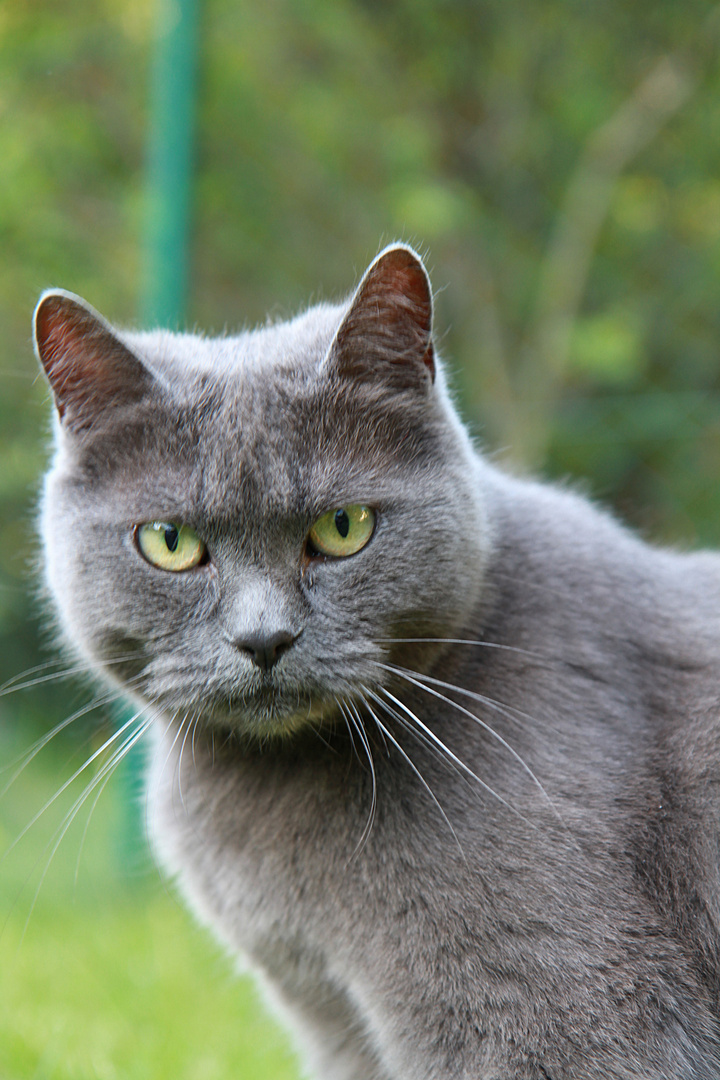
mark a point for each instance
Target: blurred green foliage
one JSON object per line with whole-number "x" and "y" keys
{"x": 558, "y": 163}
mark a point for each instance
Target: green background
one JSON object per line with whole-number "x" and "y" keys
{"x": 558, "y": 163}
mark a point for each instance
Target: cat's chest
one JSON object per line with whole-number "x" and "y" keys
{"x": 275, "y": 856}
{"x": 270, "y": 857}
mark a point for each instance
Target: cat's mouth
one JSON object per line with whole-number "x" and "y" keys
{"x": 263, "y": 706}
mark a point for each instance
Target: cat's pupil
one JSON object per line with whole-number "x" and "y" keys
{"x": 342, "y": 523}
{"x": 171, "y": 537}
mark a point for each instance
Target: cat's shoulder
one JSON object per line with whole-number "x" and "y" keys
{"x": 572, "y": 548}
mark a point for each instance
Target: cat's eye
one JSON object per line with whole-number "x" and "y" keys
{"x": 170, "y": 546}
{"x": 343, "y": 531}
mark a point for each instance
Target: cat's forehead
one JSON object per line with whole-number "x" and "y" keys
{"x": 258, "y": 420}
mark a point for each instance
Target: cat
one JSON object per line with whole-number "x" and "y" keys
{"x": 434, "y": 747}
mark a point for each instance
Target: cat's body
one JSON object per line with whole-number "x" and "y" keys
{"x": 468, "y": 822}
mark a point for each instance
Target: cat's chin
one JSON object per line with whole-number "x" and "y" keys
{"x": 269, "y": 718}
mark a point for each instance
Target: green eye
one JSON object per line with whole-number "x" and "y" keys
{"x": 343, "y": 531}
{"x": 170, "y": 546}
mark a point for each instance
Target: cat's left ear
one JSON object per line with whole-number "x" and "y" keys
{"x": 386, "y": 336}
{"x": 91, "y": 372}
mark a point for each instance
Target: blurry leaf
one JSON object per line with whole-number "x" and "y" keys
{"x": 697, "y": 207}
{"x": 408, "y": 143}
{"x": 640, "y": 204}
{"x": 428, "y": 210}
{"x": 608, "y": 347}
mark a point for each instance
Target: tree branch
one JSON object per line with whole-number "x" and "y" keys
{"x": 565, "y": 268}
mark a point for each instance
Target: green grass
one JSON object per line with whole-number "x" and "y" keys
{"x": 105, "y": 976}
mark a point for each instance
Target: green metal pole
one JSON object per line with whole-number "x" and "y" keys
{"x": 164, "y": 283}
{"x": 170, "y": 154}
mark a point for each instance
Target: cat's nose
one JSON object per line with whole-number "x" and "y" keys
{"x": 266, "y": 650}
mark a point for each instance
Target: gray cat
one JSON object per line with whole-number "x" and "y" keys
{"x": 436, "y": 748}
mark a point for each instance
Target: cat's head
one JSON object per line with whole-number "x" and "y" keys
{"x": 243, "y": 529}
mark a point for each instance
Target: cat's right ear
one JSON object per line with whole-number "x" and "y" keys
{"x": 89, "y": 369}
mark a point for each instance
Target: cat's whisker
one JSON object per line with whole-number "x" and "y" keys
{"x": 418, "y": 679}
{"x": 194, "y": 734}
{"x": 117, "y": 758}
{"x": 412, "y": 678}
{"x": 10, "y": 683}
{"x": 316, "y": 729}
{"x": 180, "y": 757}
{"x": 511, "y": 712}
{"x": 78, "y": 772}
{"x": 103, "y": 774}
{"x": 348, "y": 725}
{"x": 171, "y": 722}
{"x": 11, "y": 686}
{"x": 460, "y": 641}
{"x": 508, "y": 711}
{"x": 522, "y": 719}
{"x": 21, "y": 763}
{"x": 354, "y": 720}
{"x": 420, "y": 737}
{"x": 67, "y": 821}
{"x": 386, "y": 734}
{"x": 87, "y": 826}
{"x": 177, "y": 767}
{"x": 380, "y": 727}
{"x": 358, "y": 724}
{"x": 446, "y": 749}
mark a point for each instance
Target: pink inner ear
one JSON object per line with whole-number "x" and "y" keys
{"x": 406, "y": 285}
{"x": 89, "y": 369}
{"x": 386, "y": 334}
{"x": 61, "y": 344}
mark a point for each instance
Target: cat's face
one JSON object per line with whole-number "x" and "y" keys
{"x": 241, "y": 530}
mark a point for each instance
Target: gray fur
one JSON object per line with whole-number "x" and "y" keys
{"x": 539, "y": 897}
